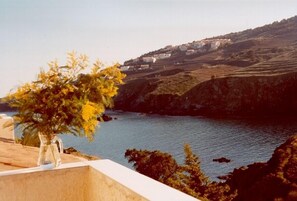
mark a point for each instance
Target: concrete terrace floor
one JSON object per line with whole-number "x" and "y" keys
{"x": 15, "y": 156}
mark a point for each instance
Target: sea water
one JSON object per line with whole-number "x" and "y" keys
{"x": 243, "y": 141}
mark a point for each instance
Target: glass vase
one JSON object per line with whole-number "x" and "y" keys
{"x": 49, "y": 154}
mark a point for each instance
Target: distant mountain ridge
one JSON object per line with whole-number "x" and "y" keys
{"x": 232, "y": 74}
{"x": 284, "y": 29}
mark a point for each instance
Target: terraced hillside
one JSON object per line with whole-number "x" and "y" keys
{"x": 277, "y": 66}
{"x": 250, "y": 72}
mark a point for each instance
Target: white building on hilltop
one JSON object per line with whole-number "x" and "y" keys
{"x": 162, "y": 55}
{"x": 126, "y": 68}
{"x": 198, "y": 44}
{"x": 214, "y": 45}
{"x": 149, "y": 59}
{"x": 183, "y": 48}
{"x": 191, "y": 51}
{"x": 144, "y": 67}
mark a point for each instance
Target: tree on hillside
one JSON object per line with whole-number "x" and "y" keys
{"x": 192, "y": 175}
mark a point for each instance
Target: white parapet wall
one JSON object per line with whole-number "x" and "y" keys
{"x": 6, "y": 127}
{"x": 101, "y": 180}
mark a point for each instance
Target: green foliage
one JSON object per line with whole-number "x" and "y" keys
{"x": 272, "y": 180}
{"x": 29, "y": 139}
{"x": 164, "y": 168}
{"x": 219, "y": 191}
{"x": 190, "y": 177}
{"x": 187, "y": 177}
{"x": 155, "y": 164}
{"x": 64, "y": 99}
{"x": 196, "y": 178}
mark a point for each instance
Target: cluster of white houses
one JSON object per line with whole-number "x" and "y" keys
{"x": 135, "y": 68}
{"x": 153, "y": 59}
{"x": 143, "y": 63}
{"x": 203, "y": 46}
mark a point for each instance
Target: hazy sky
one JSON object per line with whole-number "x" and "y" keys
{"x": 34, "y": 32}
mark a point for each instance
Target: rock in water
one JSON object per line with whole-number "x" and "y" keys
{"x": 104, "y": 118}
{"x": 221, "y": 160}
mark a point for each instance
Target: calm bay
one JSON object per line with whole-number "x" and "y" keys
{"x": 244, "y": 141}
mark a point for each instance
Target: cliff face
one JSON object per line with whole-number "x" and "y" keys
{"x": 244, "y": 95}
{"x": 254, "y": 74}
{"x": 274, "y": 180}
{"x": 265, "y": 95}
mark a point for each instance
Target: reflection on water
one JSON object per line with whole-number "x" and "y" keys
{"x": 244, "y": 141}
